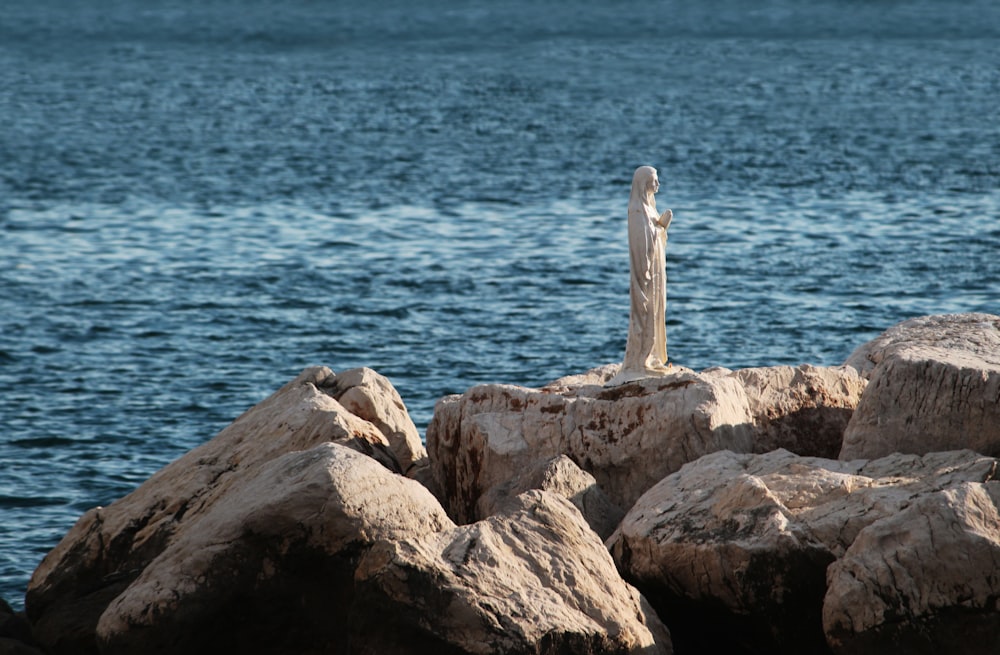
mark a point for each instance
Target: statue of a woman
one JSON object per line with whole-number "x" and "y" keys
{"x": 646, "y": 349}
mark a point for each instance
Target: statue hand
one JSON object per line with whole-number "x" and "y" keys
{"x": 665, "y": 218}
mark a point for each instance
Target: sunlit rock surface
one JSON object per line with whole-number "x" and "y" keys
{"x": 269, "y": 566}
{"x": 733, "y": 549}
{"x": 934, "y": 385}
{"x": 628, "y": 437}
{"x": 369, "y": 395}
{"x": 294, "y": 531}
{"x": 109, "y": 547}
{"x": 559, "y": 475}
{"x": 924, "y": 580}
{"x": 632, "y": 435}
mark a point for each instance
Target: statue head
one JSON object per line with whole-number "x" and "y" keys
{"x": 644, "y": 184}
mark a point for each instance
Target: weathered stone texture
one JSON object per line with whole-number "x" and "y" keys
{"x": 559, "y": 475}
{"x": 269, "y": 566}
{"x": 369, "y": 395}
{"x": 532, "y": 578}
{"x": 977, "y": 334}
{"x": 743, "y": 542}
{"x": 925, "y": 580}
{"x": 803, "y": 409}
{"x": 279, "y": 536}
{"x": 110, "y": 547}
{"x": 934, "y": 386}
{"x": 628, "y": 437}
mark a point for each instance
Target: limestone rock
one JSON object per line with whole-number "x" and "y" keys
{"x": 273, "y": 538}
{"x": 369, "y": 395}
{"x": 559, "y": 475}
{"x": 934, "y": 386}
{"x": 109, "y": 547}
{"x": 269, "y": 567}
{"x": 922, "y": 581}
{"x": 533, "y": 579}
{"x": 802, "y": 409}
{"x": 977, "y": 334}
{"x": 628, "y": 437}
{"x": 595, "y": 377}
{"x": 732, "y": 550}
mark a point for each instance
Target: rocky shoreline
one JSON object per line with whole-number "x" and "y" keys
{"x": 850, "y": 509}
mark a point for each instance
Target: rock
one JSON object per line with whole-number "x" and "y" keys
{"x": 631, "y": 436}
{"x": 15, "y": 633}
{"x": 534, "y": 579}
{"x": 595, "y": 377}
{"x": 110, "y": 547}
{"x": 732, "y": 550}
{"x": 934, "y": 386}
{"x": 628, "y": 437}
{"x": 802, "y": 409}
{"x": 977, "y": 334}
{"x": 371, "y": 396}
{"x": 923, "y": 580}
{"x": 279, "y": 536}
{"x": 269, "y": 567}
{"x": 561, "y": 476}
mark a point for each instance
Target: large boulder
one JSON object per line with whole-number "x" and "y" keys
{"x": 971, "y": 333}
{"x": 934, "y": 385}
{"x": 803, "y": 409}
{"x": 108, "y": 548}
{"x": 733, "y": 549}
{"x": 269, "y": 567}
{"x": 531, "y": 579}
{"x": 922, "y": 581}
{"x": 628, "y": 437}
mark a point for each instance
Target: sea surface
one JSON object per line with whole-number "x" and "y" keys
{"x": 200, "y": 198}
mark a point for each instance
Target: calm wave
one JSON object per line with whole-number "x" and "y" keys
{"x": 197, "y": 202}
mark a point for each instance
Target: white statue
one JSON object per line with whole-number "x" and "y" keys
{"x": 646, "y": 349}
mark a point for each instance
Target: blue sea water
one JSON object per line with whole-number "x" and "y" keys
{"x": 200, "y": 198}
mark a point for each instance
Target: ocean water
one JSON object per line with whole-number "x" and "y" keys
{"x": 200, "y": 198}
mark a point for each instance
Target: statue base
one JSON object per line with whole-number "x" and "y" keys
{"x": 624, "y": 377}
